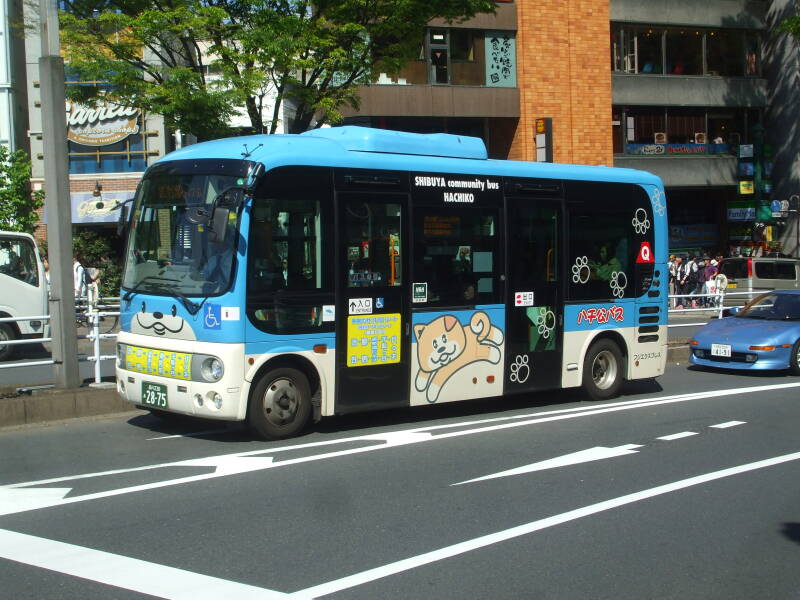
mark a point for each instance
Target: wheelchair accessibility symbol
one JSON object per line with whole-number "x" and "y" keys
{"x": 212, "y": 317}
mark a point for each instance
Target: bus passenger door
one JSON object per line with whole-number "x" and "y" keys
{"x": 372, "y": 307}
{"x": 535, "y": 297}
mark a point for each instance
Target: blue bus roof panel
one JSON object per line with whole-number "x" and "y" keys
{"x": 329, "y": 148}
{"x": 367, "y": 139}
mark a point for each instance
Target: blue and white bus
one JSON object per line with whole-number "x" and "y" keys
{"x": 282, "y": 278}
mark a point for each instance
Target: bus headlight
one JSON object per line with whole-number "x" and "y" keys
{"x": 212, "y": 369}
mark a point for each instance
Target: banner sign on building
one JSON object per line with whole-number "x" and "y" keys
{"x": 101, "y": 126}
{"x": 84, "y": 207}
{"x": 501, "y": 54}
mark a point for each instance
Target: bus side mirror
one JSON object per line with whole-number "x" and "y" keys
{"x": 729, "y": 312}
{"x": 219, "y": 224}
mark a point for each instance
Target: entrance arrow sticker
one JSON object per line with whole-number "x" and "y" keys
{"x": 360, "y": 306}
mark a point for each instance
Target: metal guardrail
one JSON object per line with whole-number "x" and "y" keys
{"x": 91, "y": 315}
{"x": 717, "y": 299}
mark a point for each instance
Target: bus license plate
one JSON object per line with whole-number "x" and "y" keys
{"x": 721, "y": 350}
{"x": 154, "y": 394}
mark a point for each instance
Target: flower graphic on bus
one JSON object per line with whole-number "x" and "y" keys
{"x": 445, "y": 346}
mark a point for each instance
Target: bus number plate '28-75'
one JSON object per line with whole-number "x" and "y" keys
{"x": 154, "y": 394}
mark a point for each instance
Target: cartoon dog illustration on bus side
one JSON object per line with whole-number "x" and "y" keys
{"x": 445, "y": 346}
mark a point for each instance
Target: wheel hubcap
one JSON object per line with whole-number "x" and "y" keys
{"x": 604, "y": 369}
{"x": 280, "y": 402}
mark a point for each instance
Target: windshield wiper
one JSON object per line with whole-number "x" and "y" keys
{"x": 192, "y": 307}
{"x": 135, "y": 289}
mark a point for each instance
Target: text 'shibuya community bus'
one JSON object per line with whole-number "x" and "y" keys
{"x": 287, "y": 277}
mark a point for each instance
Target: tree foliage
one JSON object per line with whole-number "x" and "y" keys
{"x": 791, "y": 25}
{"x": 199, "y": 62}
{"x": 18, "y": 203}
{"x": 94, "y": 250}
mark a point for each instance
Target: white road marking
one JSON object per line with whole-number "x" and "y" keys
{"x": 124, "y": 572}
{"x": 191, "y": 434}
{"x": 521, "y": 530}
{"x": 728, "y": 424}
{"x": 230, "y": 465}
{"x": 390, "y": 440}
{"x": 19, "y": 500}
{"x": 596, "y": 453}
{"x": 676, "y": 436}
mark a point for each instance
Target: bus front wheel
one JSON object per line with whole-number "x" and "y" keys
{"x": 602, "y": 370}
{"x": 280, "y": 405}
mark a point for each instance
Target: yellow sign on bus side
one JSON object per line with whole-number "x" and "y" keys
{"x": 373, "y": 340}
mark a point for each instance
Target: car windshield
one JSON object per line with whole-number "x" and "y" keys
{"x": 171, "y": 250}
{"x": 773, "y": 307}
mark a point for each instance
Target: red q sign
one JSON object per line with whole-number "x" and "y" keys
{"x": 645, "y": 254}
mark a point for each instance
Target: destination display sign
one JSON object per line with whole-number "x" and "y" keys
{"x": 456, "y": 189}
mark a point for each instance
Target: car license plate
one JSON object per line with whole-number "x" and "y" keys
{"x": 731, "y": 284}
{"x": 721, "y": 350}
{"x": 154, "y": 394}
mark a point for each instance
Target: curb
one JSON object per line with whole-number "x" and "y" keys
{"x": 55, "y": 405}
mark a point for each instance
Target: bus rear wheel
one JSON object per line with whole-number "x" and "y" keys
{"x": 280, "y": 404}
{"x": 7, "y": 334}
{"x": 602, "y": 370}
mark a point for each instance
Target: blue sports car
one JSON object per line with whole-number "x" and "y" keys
{"x": 765, "y": 334}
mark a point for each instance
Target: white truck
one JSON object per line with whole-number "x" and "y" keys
{"x": 23, "y": 290}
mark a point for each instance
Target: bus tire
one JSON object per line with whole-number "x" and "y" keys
{"x": 7, "y": 334}
{"x": 280, "y": 404}
{"x": 602, "y": 370}
{"x": 794, "y": 359}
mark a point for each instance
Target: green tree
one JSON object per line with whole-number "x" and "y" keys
{"x": 18, "y": 203}
{"x": 94, "y": 250}
{"x": 199, "y": 62}
{"x": 791, "y": 25}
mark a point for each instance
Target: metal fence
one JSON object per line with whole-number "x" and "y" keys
{"x": 87, "y": 315}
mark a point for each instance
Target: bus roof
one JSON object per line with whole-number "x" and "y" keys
{"x": 367, "y": 148}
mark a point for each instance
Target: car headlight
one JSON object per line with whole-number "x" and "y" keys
{"x": 212, "y": 369}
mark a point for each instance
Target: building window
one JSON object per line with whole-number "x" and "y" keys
{"x": 660, "y": 131}
{"x": 458, "y": 56}
{"x": 684, "y": 51}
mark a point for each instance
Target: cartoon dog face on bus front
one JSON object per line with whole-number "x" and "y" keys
{"x": 444, "y": 346}
{"x": 167, "y": 325}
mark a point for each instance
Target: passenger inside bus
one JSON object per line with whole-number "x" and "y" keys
{"x": 605, "y": 266}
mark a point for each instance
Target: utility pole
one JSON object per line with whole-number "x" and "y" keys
{"x": 59, "y": 217}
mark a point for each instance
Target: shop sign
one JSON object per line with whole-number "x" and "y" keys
{"x": 107, "y": 124}
{"x": 664, "y": 149}
{"x": 84, "y": 207}
{"x": 741, "y": 212}
{"x": 704, "y": 234}
{"x": 746, "y": 188}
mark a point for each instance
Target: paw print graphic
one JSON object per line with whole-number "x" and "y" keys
{"x": 545, "y": 322}
{"x": 618, "y": 283}
{"x": 520, "y": 370}
{"x": 658, "y": 203}
{"x": 640, "y": 221}
{"x": 580, "y": 270}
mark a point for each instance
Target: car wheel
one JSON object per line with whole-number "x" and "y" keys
{"x": 794, "y": 359}
{"x": 7, "y": 334}
{"x": 280, "y": 404}
{"x": 602, "y": 370}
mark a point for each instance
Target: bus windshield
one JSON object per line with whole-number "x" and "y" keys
{"x": 170, "y": 252}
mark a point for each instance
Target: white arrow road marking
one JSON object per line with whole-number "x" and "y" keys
{"x": 393, "y": 438}
{"x": 728, "y": 424}
{"x": 190, "y": 434}
{"x": 124, "y": 572}
{"x": 18, "y": 500}
{"x": 596, "y": 453}
{"x": 676, "y": 436}
{"x": 515, "y": 532}
{"x": 230, "y": 465}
